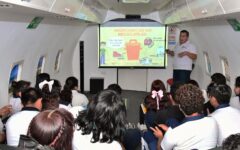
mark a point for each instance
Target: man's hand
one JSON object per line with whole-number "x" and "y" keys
{"x": 190, "y": 55}
{"x": 185, "y": 53}
{"x": 5, "y": 110}
{"x": 170, "y": 52}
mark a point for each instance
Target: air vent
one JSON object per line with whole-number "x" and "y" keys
{"x": 135, "y": 1}
{"x": 4, "y": 5}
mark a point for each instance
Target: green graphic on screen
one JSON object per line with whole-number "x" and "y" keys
{"x": 132, "y": 47}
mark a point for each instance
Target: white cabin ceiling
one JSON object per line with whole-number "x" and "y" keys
{"x": 168, "y": 11}
{"x": 134, "y": 8}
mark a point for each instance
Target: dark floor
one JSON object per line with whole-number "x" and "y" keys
{"x": 132, "y": 99}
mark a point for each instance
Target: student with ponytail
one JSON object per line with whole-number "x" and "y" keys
{"x": 53, "y": 128}
{"x": 76, "y": 98}
{"x": 155, "y": 101}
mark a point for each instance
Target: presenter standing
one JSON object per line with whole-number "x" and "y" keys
{"x": 184, "y": 54}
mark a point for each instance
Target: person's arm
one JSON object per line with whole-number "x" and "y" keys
{"x": 189, "y": 54}
{"x": 4, "y": 111}
{"x": 170, "y": 52}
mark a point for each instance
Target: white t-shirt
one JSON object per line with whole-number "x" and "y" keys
{"x": 82, "y": 142}
{"x": 18, "y": 124}
{"x": 228, "y": 120}
{"x": 75, "y": 110}
{"x": 79, "y": 99}
{"x": 16, "y": 104}
{"x": 183, "y": 63}
{"x": 199, "y": 134}
{"x": 234, "y": 102}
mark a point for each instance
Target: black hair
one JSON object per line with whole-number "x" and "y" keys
{"x": 222, "y": 93}
{"x": 66, "y": 93}
{"x": 30, "y": 95}
{"x": 40, "y": 78}
{"x": 57, "y": 85}
{"x": 193, "y": 82}
{"x": 50, "y": 99}
{"x": 237, "y": 82}
{"x": 174, "y": 88}
{"x": 115, "y": 87}
{"x": 19, "y": 86}
{"x": 232, "y": 142}
{"x": 237, "y": 85}
{"x": 210, "y": 87}
{"x": 71, "y": 83}
{"x": 185, "y": 31}
{"x": 106, "y": 116}
{"x": 218, "y": 78}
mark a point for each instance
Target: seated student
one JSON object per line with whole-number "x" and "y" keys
{"x": 155, "y": 101}
{"x": 53, "y": 128}
{"x": 78, "y": 99}
{"x": 40, "y": 78}
{"x": 208, "y": 108}
{"x": 166, "y": 115}
{"x": 232, "y": 142}
{"x": 228, "y": 118}
{"x": 50, "y": 95}
{"x": 235, "y": 101}
{"x": 218, "y": 78}
{"x": 132, "y": 136}
{"x": 171, "y": 116}
{"x": 19, "y": 122}
{"x": 195, "y": 131}
{"x": 102, "y": 125}
{"x": 17, "y": 88}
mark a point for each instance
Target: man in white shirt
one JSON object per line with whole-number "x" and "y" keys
{"x": 184, "y": 54}
{"x": 227, "y": 117}
{"x": 19, "y": 122}
{"x": 195, "y": 131}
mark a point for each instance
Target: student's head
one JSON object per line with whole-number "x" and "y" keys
{"x": 32, "y": 97}
{"x": 190, "y": 99}
{"x": 116, "y": 88}
{"x": 218, "y": 78}
{"x": 57, "y": 85}
{"x": 105, "y": 116}
{"x": 40, "y": 78}
{"x": 174, "y": 88}
{"x": 232, "y": 142}
{"x": 210, "y": 87}
{"x": 155, "y": 100}
{"x": 237, "y": 86}
{"x": 158, "y": 85}
{"x": 193, "y": 82}
{"x": 184, "y": 35}
{"x": 50, "y": 95}
{"x": 18, "y": 87}
{"x": 53, "y": 128}
{"x": 71, "y": 83}
{"x": 220, "y": 94}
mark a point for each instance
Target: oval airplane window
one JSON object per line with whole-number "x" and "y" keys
{"x": 41, "y": 64}
{"x": 15, "y": 73}
{"x": 225, "y": 68}
{"x": 207, "y": 63}
{"x": 58, "y": 61}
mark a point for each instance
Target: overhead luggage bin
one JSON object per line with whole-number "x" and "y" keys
{"x": 230, "y": 6}
{"x": 202, "y": 9}
{"x": 44, "y": 5}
